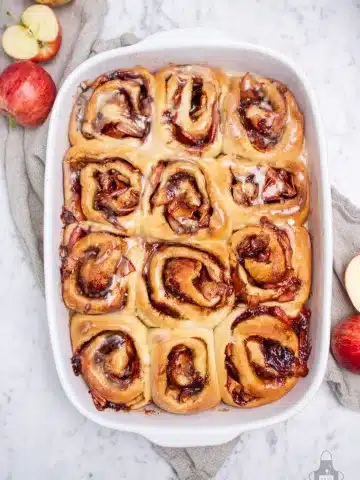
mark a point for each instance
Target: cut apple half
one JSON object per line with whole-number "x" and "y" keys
{"x": 37, "y": 38}
{"x": 352, "y": 281}
{"x": 42, "y": 22}
{"x": 19, "y": 43}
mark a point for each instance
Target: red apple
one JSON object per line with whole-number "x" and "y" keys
{"x": 37, "y": 37}
{"x": 345, "y": 343}
{"x": 54, "y": 3}
{"x": 27, "y": 93}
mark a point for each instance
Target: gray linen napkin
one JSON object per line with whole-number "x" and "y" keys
{"x": 25, "y": 156}
{"x": 346, "y": 225}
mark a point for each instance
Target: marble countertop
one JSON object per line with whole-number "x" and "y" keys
{"x": 41, "y": 435}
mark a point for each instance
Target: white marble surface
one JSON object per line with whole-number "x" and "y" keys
{"x": 41, "y": 435}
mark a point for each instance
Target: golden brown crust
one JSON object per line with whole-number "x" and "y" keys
{"x": 275, "y": 189}
{"x": 183, "y": 370}
{"x": 271, "y": 263}
{"x": 184, "y": 285}
{"x": 260, "y": 354}
{"x": 149, "y": 214}
{"x": 111, "y": 352}
{"x": 189, "y": 102}
{"x": 99, "y": 269}
{"x": 262, "y": 120}
{"x": 104, "y": 187}
{"x": 116, "y": 110}
{"x": 182, "y": 202}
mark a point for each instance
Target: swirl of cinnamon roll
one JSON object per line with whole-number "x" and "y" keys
{"x": 98, "y": 269}
{"x": 103, "y": 188}
{"x": 271, "y": 263}
{"x": 262, "y": 120}
{"x": 252, "y": 190}
{"x": 111, "y": 353}
{"x": 115, "y": 110}
{"x": 184, "y": 285}
{"x": 261, "y": 353}
{"x": 183, "y": 370}
{"x": 182, "y": 201}
{"x": 189, "y": 100}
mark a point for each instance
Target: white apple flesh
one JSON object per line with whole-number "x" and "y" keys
{"x": 352, "y": 281}
{"x": 37, "y": 38}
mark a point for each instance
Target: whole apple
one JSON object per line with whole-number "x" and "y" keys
{"x": 27, "y": 93}
{"x": 345, "y": 343}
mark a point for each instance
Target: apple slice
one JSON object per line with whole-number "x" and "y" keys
{"x": 37, "y": 38}
{"x": 352, "y": 281}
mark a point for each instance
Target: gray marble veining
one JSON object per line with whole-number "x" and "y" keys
{"x": 41, "y": 434}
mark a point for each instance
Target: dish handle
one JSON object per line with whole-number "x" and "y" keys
{"x": 186, "y": 35}
{"x": 195, "y": 439}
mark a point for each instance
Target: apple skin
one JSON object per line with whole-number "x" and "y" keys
{"x": 27, "y": 93}
{"x": 54, "y": 3}
{"x": 345, "y": 343}
{"x": 50, "y": 50}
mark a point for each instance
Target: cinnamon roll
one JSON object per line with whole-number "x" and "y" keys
{"x": 189, "y": 100}
{"x": 98, "y": 269}
{"x": 255, "y": 189}
{"x": 103, "y": 188}
{"x": 183, "y": 370}
{"x": 271, "y": 263}
{"x": 114, "y": 111}
{"x": 262, "y": 120}
{"x": 111, "y": 353}
{"x": 182, "y": 202}
{"x": 261, "y": 353}
{"x": 184, "y": 285}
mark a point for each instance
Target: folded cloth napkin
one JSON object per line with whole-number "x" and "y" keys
{"x": 24, "y": 158}
{"x": 346, "y": 231}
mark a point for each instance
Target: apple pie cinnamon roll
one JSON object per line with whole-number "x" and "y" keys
{"x": 103, "y": 187}
{"x": 114, "y": 111}
{"x": 183, "y": 370}
{"x": 111, "y": 353}
{"x": 189, "y": 100}
{"x": 184, "y": 285}
{"x": 262, "y": 120}
{"x": 182, "y": 201}
{"x": 271, "y": 263}
{"x": 261, "y": 353}
{"x": 255, "y": 189}
{"x": 98, "y": 269}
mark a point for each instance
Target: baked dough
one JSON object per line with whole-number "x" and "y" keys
{"x": 105, "y": 188}
{"x": 116, "y": 110}
{"x": 184, "y": 285}
{"x": 262, "y": 120}
{"x": 183, "y": 370}
{"x": 275, "y": 189}
{"x": 271, "y": 263}
{"x": 182, "y": 202}
{"x": 111, "y": 352}
{"x": 99, "y": 269}
{"x": 260, "y": 353}
{"x": 189, "y": 100}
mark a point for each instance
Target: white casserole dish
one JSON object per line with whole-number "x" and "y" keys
{"x": 213, "y": 48}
